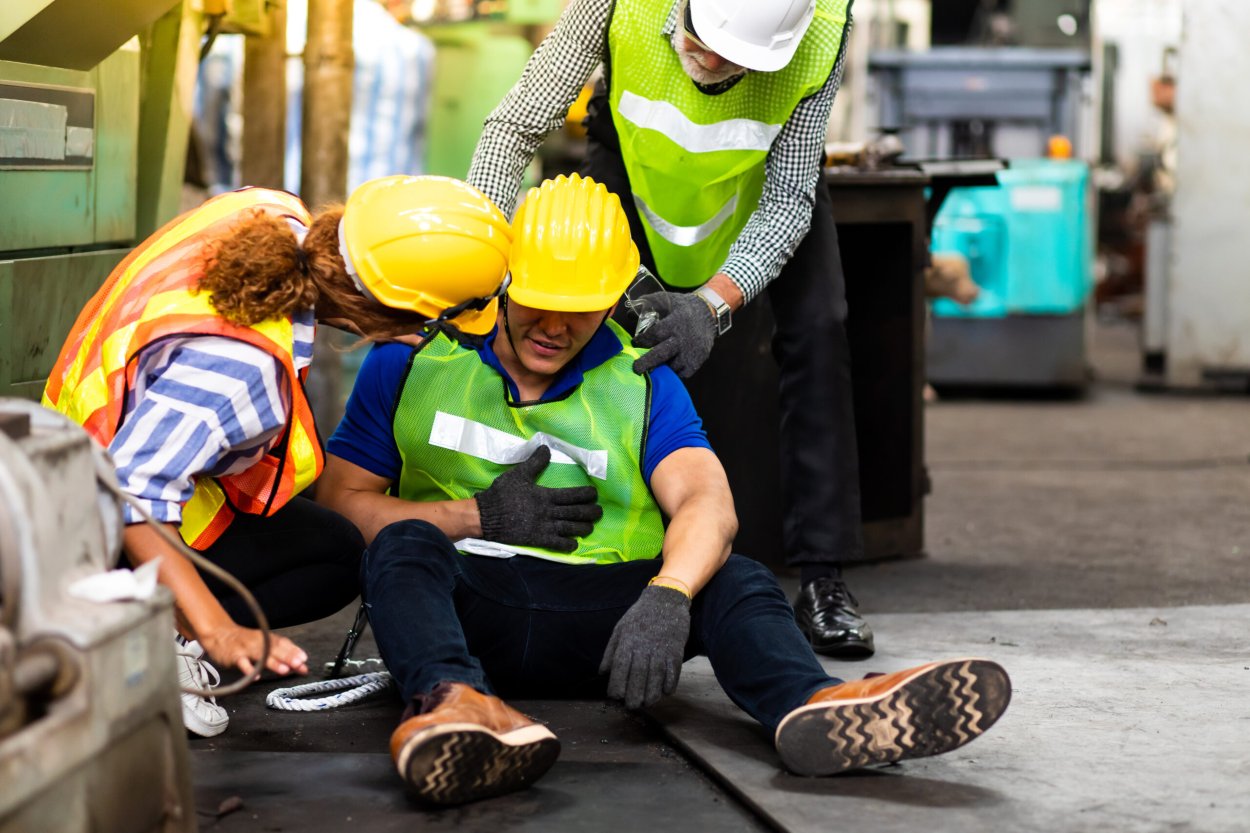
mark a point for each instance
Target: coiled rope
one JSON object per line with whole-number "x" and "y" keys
{"x": 352, "y": 690}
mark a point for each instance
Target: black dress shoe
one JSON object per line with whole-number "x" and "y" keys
{"x": 825, "y": 612}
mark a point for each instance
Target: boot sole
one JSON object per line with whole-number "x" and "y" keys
{"x": 938, "y": 709}
{"x": 456, "y": 763}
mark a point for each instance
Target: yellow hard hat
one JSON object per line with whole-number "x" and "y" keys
{"x": 571, "y": 247}
{"x": 430, "y": 244}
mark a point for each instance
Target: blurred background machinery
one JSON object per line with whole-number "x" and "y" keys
{"x": 91, "y": 735}
{"x": 1196, "y": 289}
{"x": 1029, "y": 242}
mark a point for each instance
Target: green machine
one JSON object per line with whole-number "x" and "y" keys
{"x": 94, "y": 117}
{"x": 477, "y": 62}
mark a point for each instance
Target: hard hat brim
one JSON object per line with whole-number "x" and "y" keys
{"x": 477, "y": 322}
{"x": 562, "y": 303}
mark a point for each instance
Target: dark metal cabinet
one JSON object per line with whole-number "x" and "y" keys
{"x": 882, "y": 234}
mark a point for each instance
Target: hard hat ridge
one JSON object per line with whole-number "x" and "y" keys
{"x": 572, "y": 249}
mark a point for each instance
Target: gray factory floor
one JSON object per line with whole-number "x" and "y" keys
{"x": 1098, "y": 548}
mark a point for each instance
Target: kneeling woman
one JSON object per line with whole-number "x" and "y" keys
{"x": 189, "y": 366}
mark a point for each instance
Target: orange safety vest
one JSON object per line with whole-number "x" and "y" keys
{"x": 152, "y": 295}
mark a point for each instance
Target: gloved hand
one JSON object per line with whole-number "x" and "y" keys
{"x": 516, "y": 510}
{"x": 683, "y": 335}
{"x": 647, "y": 647}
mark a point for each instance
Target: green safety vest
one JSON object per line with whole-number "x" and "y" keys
{"x": 696, "y": 161}
{"x": 456, "y": 432}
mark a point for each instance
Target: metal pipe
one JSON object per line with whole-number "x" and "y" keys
{"x": 36, "y": 672}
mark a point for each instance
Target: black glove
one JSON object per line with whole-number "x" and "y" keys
{"x": 682, "y": 336}
{"x": 647, "y": 647}
{"x": 516, "y": 510}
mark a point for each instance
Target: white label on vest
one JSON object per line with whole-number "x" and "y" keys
{"x": 664, "y": 118}
{"x": 686, "y": 235}
{"x": 486, "y": 443}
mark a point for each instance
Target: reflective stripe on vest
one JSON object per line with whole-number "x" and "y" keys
{"x": 456, "y": 433}
{"x": 151, "y": 296}
{"x": 695, "y": 161}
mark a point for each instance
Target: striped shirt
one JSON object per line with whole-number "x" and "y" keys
{"x": 554, "y": 76}
{"x": 201, "y": 406}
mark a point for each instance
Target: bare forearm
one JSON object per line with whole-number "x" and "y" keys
{"x": 197, "y": 608}
{"x": 200, "y": 616}
{"x": 698, "y": 541}
{"x": 371, "y": 512}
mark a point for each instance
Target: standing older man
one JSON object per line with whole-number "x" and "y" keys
{"x": 711, "y": 127}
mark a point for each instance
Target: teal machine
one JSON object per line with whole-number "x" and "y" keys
{"x": 477, "y": 62}
{"x": 1029, "y": 245}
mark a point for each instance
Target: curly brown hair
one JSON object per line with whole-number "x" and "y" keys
{"x": 258, "y": 271}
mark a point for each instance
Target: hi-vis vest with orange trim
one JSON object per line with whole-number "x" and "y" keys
{"x": 150, "y": 296}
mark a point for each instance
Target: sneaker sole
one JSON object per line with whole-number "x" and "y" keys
{"x": 456, "y": 763}
{"x": 938, "y": 709}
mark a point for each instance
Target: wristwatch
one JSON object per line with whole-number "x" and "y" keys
{"x": 720, "y": 310}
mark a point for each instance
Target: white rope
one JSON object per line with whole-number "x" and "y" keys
{"x": 354, "y": 689}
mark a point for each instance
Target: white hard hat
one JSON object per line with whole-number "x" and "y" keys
{"x": 757, "y": 34}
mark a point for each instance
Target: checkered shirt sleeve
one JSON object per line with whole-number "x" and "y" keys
{"x": 537, "y": 104}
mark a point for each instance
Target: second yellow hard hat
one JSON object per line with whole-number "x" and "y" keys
{"x": 427, "y": 243}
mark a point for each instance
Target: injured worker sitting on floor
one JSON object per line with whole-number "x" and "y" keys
{"x": 554, "y": 468}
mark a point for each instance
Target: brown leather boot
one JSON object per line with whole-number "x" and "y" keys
{"x": 926, "y": 710}
{"x": 471, "y": 746}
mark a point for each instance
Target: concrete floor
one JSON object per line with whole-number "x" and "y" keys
{"x": 1097, "y": 548}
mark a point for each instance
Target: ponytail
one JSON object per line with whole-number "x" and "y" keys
{"x": 257, "y": 271}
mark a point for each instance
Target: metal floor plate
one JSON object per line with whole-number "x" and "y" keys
{"x": 1112, "y": 726}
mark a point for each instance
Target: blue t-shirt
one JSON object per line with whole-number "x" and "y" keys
{"x": 366, "y": 437}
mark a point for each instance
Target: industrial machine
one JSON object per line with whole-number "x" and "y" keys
{"x": 482, "y": 48}
{"x": 91, "y": 735}
{"x": 1029, "y": 241}
{"x": 94, "y": 118}
{"x": 1029, "y": 244}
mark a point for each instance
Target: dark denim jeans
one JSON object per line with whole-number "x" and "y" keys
{"x": 526, "y": 627}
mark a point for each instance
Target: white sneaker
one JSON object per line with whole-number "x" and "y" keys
{"x": 201, "y": 715}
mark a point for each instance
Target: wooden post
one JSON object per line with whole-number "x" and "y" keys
{"x": 264, "y": 104}
{"x": 328, "y": 67}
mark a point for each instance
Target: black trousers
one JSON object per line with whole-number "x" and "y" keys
{"x": 302, "y": 564}
{"x": 819, "y": 458}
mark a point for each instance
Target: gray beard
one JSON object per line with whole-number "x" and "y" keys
{"x": 698, "y": 73}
